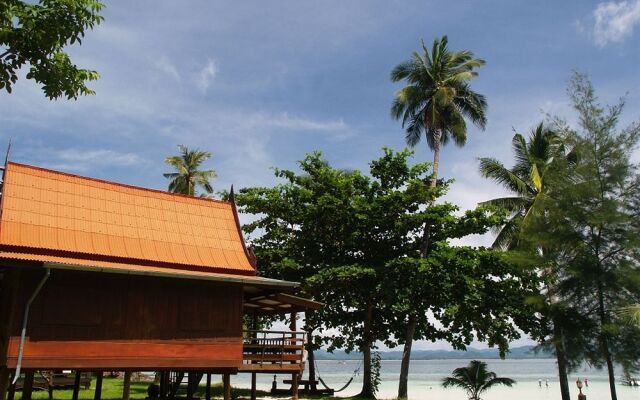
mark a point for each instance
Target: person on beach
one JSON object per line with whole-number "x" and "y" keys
{"x": 546, "y": 382}
{"x": 540, "y": 382}
{"x": 586, "y": 382}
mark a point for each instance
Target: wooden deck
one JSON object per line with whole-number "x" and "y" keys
{"x": 273, "y": 352}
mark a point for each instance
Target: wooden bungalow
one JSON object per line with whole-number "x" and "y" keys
{"x": 100, "y": 276}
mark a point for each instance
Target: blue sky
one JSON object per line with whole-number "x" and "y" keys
{"x": 260, "y": 83}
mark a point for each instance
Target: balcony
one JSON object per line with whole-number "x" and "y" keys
{"x": 273, "y": 351}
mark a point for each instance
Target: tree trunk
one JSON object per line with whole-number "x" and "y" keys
{"x": 426, "y": 233}
{"x": 561, "y": 358}
{"x": 437, "y": 145}
{"x": 311, "y": 358}
{"x": 604, "y": 342}
{"x": 612, "y": 377}
{"x": 367, "y": 383}
{"x": 406, "y": 358}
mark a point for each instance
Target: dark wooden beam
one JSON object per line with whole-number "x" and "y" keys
{"x": 9, "y": 289}
{"x": 226, "y": 386}
{"x": 27, "y": 386}
{"x": 294, "y": 387}
{"x": 76, "y": 386}
{"x": 12, "y": 392}
{"x": 98, "y": 394}
{"x": 163, "y": 384}
{"x": 126, "y": 385}
{"x": 253, "y": 385}
{"x": 207, "y": 393}
{"x": 190, "y": 385}
{"x": 5, "y": 381}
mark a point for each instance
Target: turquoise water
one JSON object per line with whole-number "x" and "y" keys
{"x": 425, "y": 377}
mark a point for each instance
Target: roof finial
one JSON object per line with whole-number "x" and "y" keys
{"x": 6, "y": 158}
{"x": 232, "y": 196}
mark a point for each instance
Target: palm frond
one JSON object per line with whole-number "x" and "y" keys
{"x": 495, "y": 170}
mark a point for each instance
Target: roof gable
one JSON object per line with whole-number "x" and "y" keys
{"x": 51, "y": 212}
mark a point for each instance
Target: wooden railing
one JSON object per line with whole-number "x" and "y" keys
{"x": 274, "y": 349}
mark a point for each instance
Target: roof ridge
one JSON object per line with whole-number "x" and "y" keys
{"x": 126, "y": 185}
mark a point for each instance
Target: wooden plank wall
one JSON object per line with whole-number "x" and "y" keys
{"x": 96, "y": 320}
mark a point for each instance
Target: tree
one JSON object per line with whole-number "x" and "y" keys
{"x": 596, "y": 219}
{"x": 475, "y": 379}
{"x": 529, "y": 182}
{"x": 36, "y": 34}
{"x": 329, "y": 227}
{"x": 534, "y": 159}
{"x": 435, "y": 102}
{"x": 188, "y": 177}
{"x": 438, "y": 97}
{"x": 302, "y": 226}
{"x": 353, "y": 241}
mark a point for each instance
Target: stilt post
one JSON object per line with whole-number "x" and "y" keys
{"x": 12, "y": 392}
{"x": 254, "y": 327}
{"x": 294, "y": 387}
{"x": 226, "y": 383}
{"x": 293, "y": 326}
{"x": 98, "y": 393}
{"x": 9, "y": 288}
{"x": 126, "y": 385}
{"x": 253, "y": 386}
{"x": 5, "y": 380}
{"x": 76, "y": 386}
{"x": 27, "y": 386}
{"x": 207, "y": 393}
{"x": 190, "y": 386}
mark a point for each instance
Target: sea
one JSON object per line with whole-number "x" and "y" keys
{"x": 425, "y": 378}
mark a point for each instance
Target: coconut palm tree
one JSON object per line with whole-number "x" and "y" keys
{"x": 529, "y": 183}
{"x": 438, "y": 98}
{"x": 525, "y": 180}
{"x": 475, "y": 379}
{"x": 436, "y": 101}
{"x": 187, "y": 177}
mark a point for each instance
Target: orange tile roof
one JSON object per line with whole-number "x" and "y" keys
{"x": 54, "y": 214}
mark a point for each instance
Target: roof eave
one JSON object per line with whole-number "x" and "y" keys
{"x": 212, "y": 277}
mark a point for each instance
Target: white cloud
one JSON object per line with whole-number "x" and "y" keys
{"x": 82, "y": 159}
{"x": 165, "y": 65}
{"x": 615, "y": 21}
{"x": 284, "y": 120}
{"x": 206, "y": 75}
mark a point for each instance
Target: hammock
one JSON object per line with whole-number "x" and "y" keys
{"x": 355, "y": 372}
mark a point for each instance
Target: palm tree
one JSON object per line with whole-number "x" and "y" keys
{"x": 438, "y": 98}
{"x": 436, "y": 101}
{"x": 529, "y": 183}
{"x": 475, "y": 379}
{"x": 187, "y": 176}
{"x": 525, "y": 180}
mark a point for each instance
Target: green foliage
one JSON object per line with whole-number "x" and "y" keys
{"x": 36, "y": 34}
{"x": 475, "y": 379}
{"x": 376, "y": 366}
{"x": 631, "y": 313}
{"x": 579, "y": 228}
{"x": 438, "y": 97}
{"x": 353, "y": 241}
{"x": 596, "y": 218}
{"x": 535, "y": 159}
{"x": 460, "y": 294}
{"x": 188, "y": 177}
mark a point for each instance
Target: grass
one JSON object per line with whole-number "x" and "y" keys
{"x": 112, "y": 390}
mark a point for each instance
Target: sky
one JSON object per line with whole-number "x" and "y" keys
{"x": 259, "y": 84}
